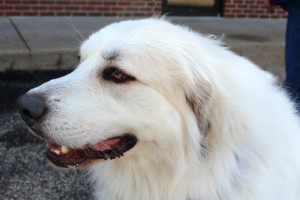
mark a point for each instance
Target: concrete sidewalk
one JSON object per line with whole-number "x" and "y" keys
{"x": 30, "y": 43}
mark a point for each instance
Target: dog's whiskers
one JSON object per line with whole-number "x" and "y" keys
{"x": 71, "y": 24}
{"x": 112, "y": 149}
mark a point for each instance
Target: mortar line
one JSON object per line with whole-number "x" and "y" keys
{"x": 19, "y": 33}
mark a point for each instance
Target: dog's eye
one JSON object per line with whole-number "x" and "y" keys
{"x": 78, "y": 57}
{"x": 116, "y": 75}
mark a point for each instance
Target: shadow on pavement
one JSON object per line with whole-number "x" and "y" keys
{"x": 24, "y": 172}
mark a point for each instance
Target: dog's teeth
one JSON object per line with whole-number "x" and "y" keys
{"x": 56, "y": 152}
{"x": 64, "y": 149}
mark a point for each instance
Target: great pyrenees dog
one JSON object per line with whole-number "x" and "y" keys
{"x": 157, "y": 111}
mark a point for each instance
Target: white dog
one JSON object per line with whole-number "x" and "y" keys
{"x": 193, "y": 120}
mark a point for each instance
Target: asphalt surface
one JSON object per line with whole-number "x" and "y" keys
{"x": 24, "y": 172}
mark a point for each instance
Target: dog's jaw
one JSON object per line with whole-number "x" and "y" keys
{"x": 63, "y": 156}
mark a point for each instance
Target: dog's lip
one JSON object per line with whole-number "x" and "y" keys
{"x": 67, "y": 157}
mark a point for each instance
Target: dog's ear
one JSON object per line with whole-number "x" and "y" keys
{"x": 199, "y": 100}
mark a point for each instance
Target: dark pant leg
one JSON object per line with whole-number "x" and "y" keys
{"x": 292, "y": 55}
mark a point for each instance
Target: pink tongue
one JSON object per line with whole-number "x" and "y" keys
{"x": 106, "y": 145}
{"x": 98, "y": 147}
{"x": 53, "y": 146}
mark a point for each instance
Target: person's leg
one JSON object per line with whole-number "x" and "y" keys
{"x": 292, "y": 56}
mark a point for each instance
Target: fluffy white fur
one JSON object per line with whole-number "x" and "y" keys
{"x": 210, "y": 124}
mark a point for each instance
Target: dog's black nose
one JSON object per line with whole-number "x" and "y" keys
{"x": 31, "y": 108}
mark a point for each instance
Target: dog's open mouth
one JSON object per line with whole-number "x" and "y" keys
{"x": 66, "y": 157}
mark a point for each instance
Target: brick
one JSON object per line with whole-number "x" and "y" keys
{"x": 12, "y": 13}
{"x": 103, "y": 9}
{"x": 47, "y": 13}
{"x": 109, "y": 14}
{"x": 79, "y": 2}
{"x": 284, "y": 16}
{"x": 1, "y": 14}
{"x": 149, "y": 14}
{"x": 132, "y": 9}
{"x": 147, "y": 9}
{"x": 120, "y": 14}
{"x": 79, "y": 14}
{"x": 63, "y": 14}
{"x": 39, "y": 8}
{"x": 260, "y": 11}
{"x": 139, "y": 3}
{"x": 236, "y": 11}
{"x": 238, "y": 1}
{"x": 22, "y": 7}
{"x": 33, "y": 13}
{"x": 56, "y": 8}
{"x": 139, "y": 15}
{"x": 110, "y": 3}
{"x": 88, "y": 8}
{"x": 47, "y": 2}
{"x": 247, "y": 11}
{"x": 127, "y": 14}
{"x": 126, "y": 3}
{"x": 117, "y": 9}
{"x": 72, "y": 8}
{"x": 95, "y": 3}
{"x": 281, "y": 12}
{"x": 94, "y": 14}
{"x": 30, "y": 2}
{"x": 277, "y": 8}
{"x": 13, "y": 2}
{"x": 241, "y": 15}
{"x": 242, "y": 6}
{"x": 263, "y": 16}
{"x": 6, "y": 7}
{"x": 61, "y": 2}
{"x": 253, "y": 16}
{"x": 227, "y": 11}
{"x": 254, "y": 6}
{"x": 274, "y": 16}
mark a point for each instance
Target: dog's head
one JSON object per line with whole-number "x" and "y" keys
{"x": 139, "y": 83}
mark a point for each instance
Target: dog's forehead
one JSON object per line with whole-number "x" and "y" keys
{"x": 114, "y": 37}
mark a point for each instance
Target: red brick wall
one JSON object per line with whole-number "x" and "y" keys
{"x": 250, "y": 9}
{"x": 139, "y": 8}
{"x": 128, "y": 8}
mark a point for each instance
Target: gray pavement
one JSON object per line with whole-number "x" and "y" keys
{"x": 30, "y": 43}
{"x": 24, "y": 172}
{"x": 52, "y": 43}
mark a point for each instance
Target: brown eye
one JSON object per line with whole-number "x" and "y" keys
{"x": 116, "y": 75}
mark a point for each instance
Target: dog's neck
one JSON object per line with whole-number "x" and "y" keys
{"x": 132, "y": 177}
